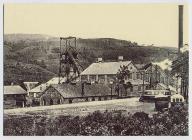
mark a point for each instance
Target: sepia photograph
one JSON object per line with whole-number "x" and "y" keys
{"x": 103, "y": 69}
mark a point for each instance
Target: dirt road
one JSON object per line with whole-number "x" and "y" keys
{"x": 130, "y": 104}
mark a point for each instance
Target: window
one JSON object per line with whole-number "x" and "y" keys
{"x": 93, "y": 99}
{"x": 44, "y": 102}
{"x": 138, "y": 76}
{"x": 83, "y": 78}
{"x": 156, "y": 93}
{"x": 58, "y": 101}
{"x": 139, "y": 88}
{"x": 92, "y": 78}
{"x": 167, "y": 93}
{"x": 147, "y": 77}
{"x": 70, "y": 101}
{"x": 130, "y": 76}
{"x": 101, "y": 78}
{"x": 99, "y": 98}
{"x": 177, "y": 99}
{"x": 51, "y": 102}
{"x": 131, "y": 89}
{"x": 173, "y": 100}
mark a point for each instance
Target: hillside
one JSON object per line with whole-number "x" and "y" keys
{"x": 42, "y": 52}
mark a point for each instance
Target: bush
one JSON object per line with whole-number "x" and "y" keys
{"x": 172, "y": 122}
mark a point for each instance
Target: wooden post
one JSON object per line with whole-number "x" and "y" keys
{"x": 23, "y": 103}
{"x": 88, "y": 78}
{"x": 105, "y": 79}
{"x": 97, "y": 78}
{"x": 143, "y": 81}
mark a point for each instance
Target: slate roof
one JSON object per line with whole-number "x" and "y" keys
{"x": 104, "y": 68}
{"x": 39, "y": 88}
{"x": 139, "y": 66}
{"x": 71, "y": 91}
{"x": 170, "y": 87}
{"x": 55, "y": 80}
{"x": 43, "y": 87}
{"x": 14, "y": 89}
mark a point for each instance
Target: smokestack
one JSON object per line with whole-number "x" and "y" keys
{"x": 180, "y": 37}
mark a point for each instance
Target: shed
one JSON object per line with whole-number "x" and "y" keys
{"x": 14, "y": 96}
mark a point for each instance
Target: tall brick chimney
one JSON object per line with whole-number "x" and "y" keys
{"x": 180, "y": 33}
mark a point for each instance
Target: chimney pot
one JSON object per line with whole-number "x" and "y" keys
{"x": 120, "y": 58}
{"x": 99, "y": 59}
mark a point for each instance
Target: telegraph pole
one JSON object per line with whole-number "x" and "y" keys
{"x": 143, "y": 81}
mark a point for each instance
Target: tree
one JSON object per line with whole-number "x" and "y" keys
{"x": 122, "y": 74}
{"x": 180, "y": 68}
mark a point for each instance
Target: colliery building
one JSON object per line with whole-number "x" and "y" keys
{"x": 105, "y": 72}
{"x": 14, "y": 96}
{"x": 153, "y": 74}
{"x": 96, "y": 83}
{"x": 79, "y": 92}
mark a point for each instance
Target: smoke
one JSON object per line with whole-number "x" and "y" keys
{"x": 165, "y": 64}
{"x": 184, "y": 48}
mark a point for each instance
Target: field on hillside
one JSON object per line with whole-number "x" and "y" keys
{"x": 43, "y": 52}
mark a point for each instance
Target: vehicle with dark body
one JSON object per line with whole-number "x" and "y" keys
{"x": 150, "y": 95}
{"x": 162, "y": 102}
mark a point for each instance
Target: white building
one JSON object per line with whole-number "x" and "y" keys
{"x": 104, "y": 72}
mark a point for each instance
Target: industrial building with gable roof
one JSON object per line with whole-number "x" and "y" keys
{"x": 79, "y": 92}
{"x": 14, "y": 96}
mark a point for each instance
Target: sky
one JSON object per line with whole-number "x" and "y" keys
{"x": 143, "y": 23}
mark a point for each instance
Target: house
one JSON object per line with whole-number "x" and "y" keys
{"x": 152, "y": 74}
{"x": 14, "y": 96}
{"x": 105, "y": 72}
{"x": 137, "y": 87}
{"x": 38, "y": 90}
{"x": 80, "y": 92}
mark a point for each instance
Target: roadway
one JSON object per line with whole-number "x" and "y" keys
{"x": 131, "y": 105}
